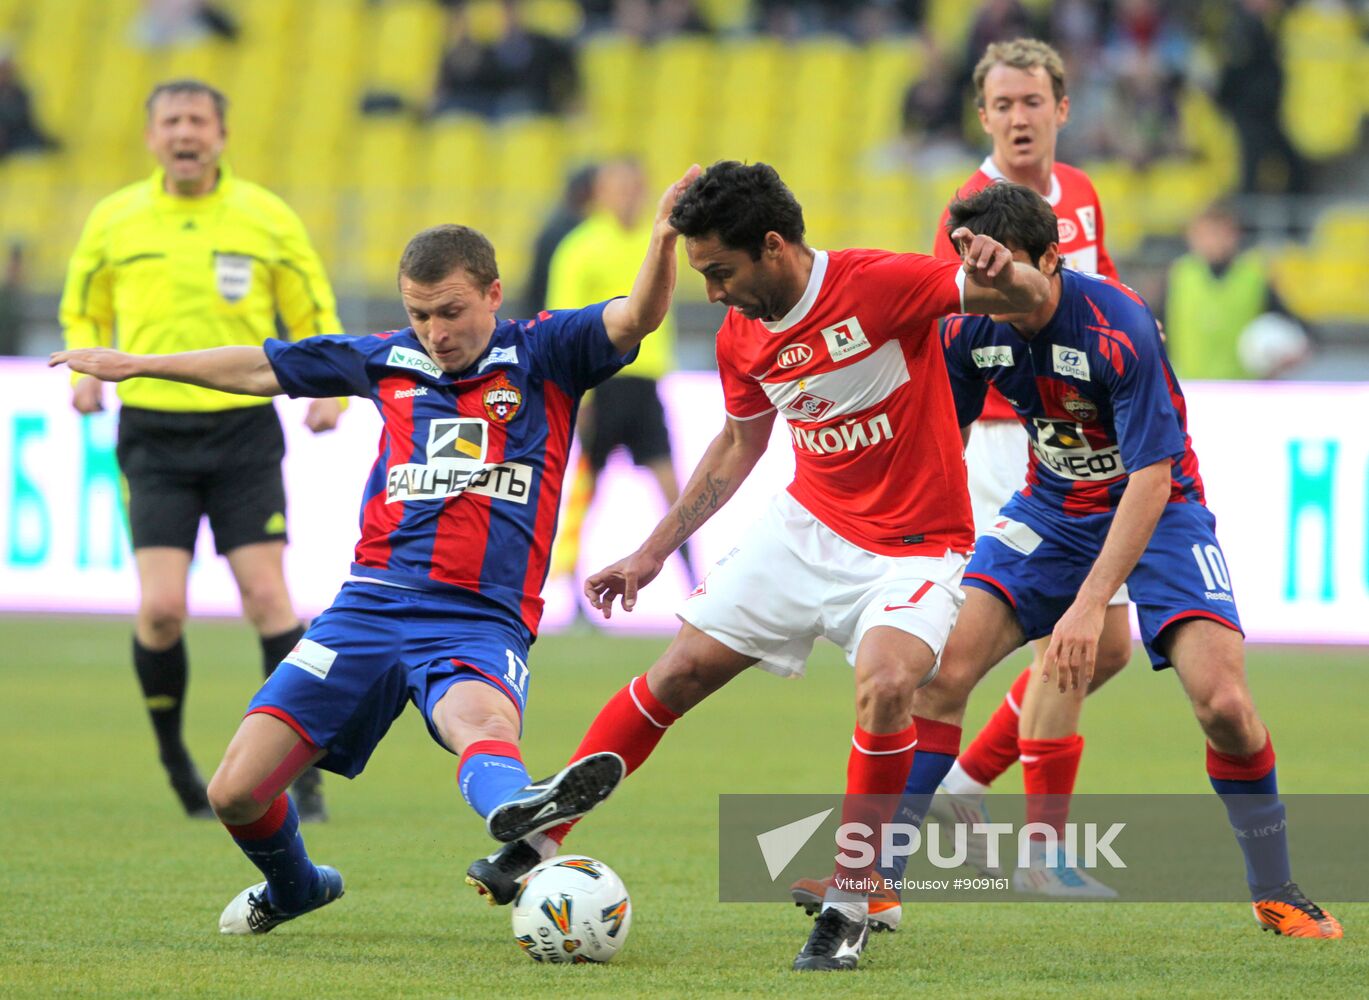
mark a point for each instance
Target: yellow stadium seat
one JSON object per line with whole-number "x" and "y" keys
{"x": 678, "y": 80}
{"x": 884, "y": 71}
{"x": 1174, "y": 191}
{"x": 727, "y": 15}
{"x": 1322, "y": 102}
{"x": 406, "y": 42}
{"x": 559, "y": 18}
{"x": 459, "y": 156}
{"x": 610, "y": 74}
{"x": 1343, "y": 230}
{"x": 384, "y": 160}
{"x": 529, "y": 154}
{"x": 756, "y": 70}
{"x": 9, "y": 15}
{"x": 1121, "y": 191}
{"x": 948, "y": 23}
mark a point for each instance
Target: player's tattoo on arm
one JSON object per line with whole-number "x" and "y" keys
{"x": 694, "y": 512}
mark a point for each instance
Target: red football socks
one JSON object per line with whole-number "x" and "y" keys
{"x": 1049, "y": 768}
{"x": 630, "y": 725}
{"x": 876, "y": 772}
{"x": 995, "y": 748}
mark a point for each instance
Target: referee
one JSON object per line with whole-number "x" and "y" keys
{"x": 596, "y": 260}
{"x": 197, "y": 258}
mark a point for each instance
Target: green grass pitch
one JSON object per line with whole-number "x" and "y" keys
{"x": 108, "y": 892}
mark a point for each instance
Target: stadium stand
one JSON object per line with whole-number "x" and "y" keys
{"x": 299, "y": 72}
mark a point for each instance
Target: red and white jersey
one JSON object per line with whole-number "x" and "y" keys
{"x": 1080, "y": 218}
{"x": 857, "y": 370}
{"x": 1077, "y": 211}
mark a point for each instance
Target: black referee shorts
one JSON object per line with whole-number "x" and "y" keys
{"x": 178, "y": 467}
{"x": 624, "y": 411}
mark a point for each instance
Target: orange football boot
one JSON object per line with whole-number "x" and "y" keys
{"x": 886, "y": 909}
{"x": 1290, "y": 913}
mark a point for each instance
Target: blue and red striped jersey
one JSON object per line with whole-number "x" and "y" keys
{"x": 464, "y": 492}
{"x": 1093, "y": 388}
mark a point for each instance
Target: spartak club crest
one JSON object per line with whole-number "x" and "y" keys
{"x": 502, "y": 400}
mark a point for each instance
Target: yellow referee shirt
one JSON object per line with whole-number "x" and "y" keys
{"x": 599, "y": 260}
{"x": 157, "y": 274}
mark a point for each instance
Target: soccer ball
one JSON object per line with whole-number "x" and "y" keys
{"x": 1271, "y": 345}
{"x": 571, "y": 909}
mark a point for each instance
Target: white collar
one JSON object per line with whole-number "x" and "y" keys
{"x": 810, "y": 295}
{"x": 989, "y": 169}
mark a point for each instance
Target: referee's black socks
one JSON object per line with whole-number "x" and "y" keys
{"x": 162, "y": 675}
{"x": 275, "y": 648}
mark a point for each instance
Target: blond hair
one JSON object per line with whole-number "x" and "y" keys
{"x": 1023, "y": 54}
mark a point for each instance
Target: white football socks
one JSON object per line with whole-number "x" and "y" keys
{"x": 957, "y": 782}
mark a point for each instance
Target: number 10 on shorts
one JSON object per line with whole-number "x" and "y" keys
{"x": 1210, "y": 564}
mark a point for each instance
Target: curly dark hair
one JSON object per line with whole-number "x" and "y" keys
{"x": 740, "y": 203}
{"x": 1014, "y": 215}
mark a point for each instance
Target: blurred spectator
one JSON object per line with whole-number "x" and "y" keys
{"x": 1143, "y": 31}
{"x": 12, "y": 302}
{"x": 1075, "y": 28}
{"x": 1215, "y": 292}
{"x": 1127, "y": 109}
{"x": 680, "y": 17}
{"x": 1147, "y": 102}
{"x": 520, "y": 72}
{"x": 1146, "y": 52}
{"x": 652, "y": 20}
{"x": 933, "y": 115}
{"x": 997, "y": 21}
{"x": 864, "y": 20}
{"x": 18, "y": 130}
{"x": 164, "y": 23}
{"x": 569, "y": 212}
{"x": 1250, "y": 89}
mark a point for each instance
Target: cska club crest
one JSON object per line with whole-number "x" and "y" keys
{"x": 502, "y": 400}
{"x": 1078, "y": 407}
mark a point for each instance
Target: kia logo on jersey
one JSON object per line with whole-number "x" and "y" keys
{"x": 793, "y": 355}
{"x": 1068, "y": 230}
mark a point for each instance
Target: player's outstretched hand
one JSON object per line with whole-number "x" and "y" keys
{"x": 104, "y": 363}
{"x": 621, "y": 580}
{"x": 323, "y": 415}
{"x": 982, "y": 257}
{"x": 672, "y": 195}
{"x": 1073, "y": 648}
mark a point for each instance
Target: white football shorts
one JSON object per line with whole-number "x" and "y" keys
{"x": 996, "y": 459}
{"x": 794, "y": 579}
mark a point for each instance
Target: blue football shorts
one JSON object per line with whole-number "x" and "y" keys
{"x": 376, "y": 649}
{"x": 1036, "y": 559}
